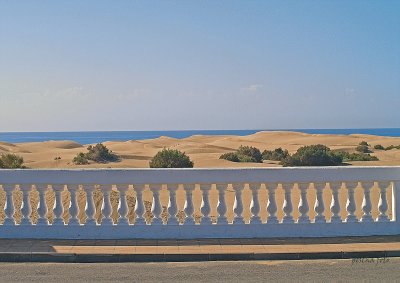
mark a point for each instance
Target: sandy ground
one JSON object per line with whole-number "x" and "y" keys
{"x": 204, "y": 151}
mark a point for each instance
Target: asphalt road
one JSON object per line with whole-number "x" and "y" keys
{"x": 240, "y": 271}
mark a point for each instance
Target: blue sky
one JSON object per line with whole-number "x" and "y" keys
{"x": 171, "y": 65}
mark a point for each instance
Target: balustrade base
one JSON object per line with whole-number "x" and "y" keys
{"x": 200, "y": 231}
{"x": 320, "y": 219}
{"x": 304, "y": 219}
{"x": 336, "y": 219}
{"x": 367, "y": 219}
{"x": 382, "y": 218}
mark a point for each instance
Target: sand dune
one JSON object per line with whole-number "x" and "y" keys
{"x": 203, "y": 150}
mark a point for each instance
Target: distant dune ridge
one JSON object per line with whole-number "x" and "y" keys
{"x": 203, "y": 150}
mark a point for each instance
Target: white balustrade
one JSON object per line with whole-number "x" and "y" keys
{"x": 123, "y": 205}
{"x": 189, "y": 207}
{"x": 319, "y": 206}
{"x": 42, "y": 208}
{"x": 371, "y": 218}
{"x": 366, "y": 204}
{"x": 172, "y": 205}
{"x": 205, "y": 204}
{"x": 255, "y": 204}
{"x": 351, "y": 202}
{"x": 335, "y": 204}
{"x": 156, "y": 205}
{"x": 238, "y": 205}
{"x": 58, "y": 205}
{"x": 26, "y": 209}
{"x": 139, "y": 206}
{"x": 221, "y": 206}
{"x": 303, "y": 204}
{"x": 287, "y": 204}
{"x": 107, "y": 207}
{"x": 73, "y": 209}
{"x": 90, "y": 206}
{"x": 383, "y": 205}
{"x": 272, "y": 207}
{"x": 9, "y": 209}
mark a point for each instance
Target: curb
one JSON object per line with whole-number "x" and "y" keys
{"x": 114, "y": 258}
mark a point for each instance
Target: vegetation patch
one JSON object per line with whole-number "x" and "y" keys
{"x": 244, "y": 154}
{"x": 346, "y": 156}
{"x": 230, "y": 156}
{"x": 277, "y": 154}
{"x": 363, "y": 147}
{"x": 390, "y": 147}
{"x": 171, "y": 158}
{"x": 98, "y": 153}
{"x": 313, "y": 155}
{"x": 379, "y": 147}
{"x": 11, "y": 161}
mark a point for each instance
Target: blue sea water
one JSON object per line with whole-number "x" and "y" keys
{"x": 102, "y": 136}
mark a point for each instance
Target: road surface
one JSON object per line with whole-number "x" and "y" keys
{"x": 240, "y": 271}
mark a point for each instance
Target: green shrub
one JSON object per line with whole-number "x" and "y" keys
{"x": 80, "y": 159}
{"x": 313, "y": 155}
{"x": 98, "y": 153}
{"x": 171, "y": 158}
{"x": 230, "y": 156}
{"x": 363, "y": 148}
{"x": 364, "y": 143}
{"x": 277, "y": 154}
{"x": 362, "y": 157}
{"x": 379, "y": 147}
{"x": 392, "y": 147}
{"x": 355, "y": 156}
{"x": 11, "y": 161}
{"x": 246, "y": 158}
{"x": 249, "y": 154}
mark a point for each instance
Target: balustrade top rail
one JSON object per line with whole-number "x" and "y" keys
{"x": 199, "y": 175}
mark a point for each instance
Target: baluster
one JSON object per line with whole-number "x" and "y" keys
{"x": 205, "y": 204}
{"x": 255, "y": 204}
{"x": 189, "y": 207}
{"x": 383, "y": 205}
{"x": 351, "y": 202}
{"x": 271, "y": 206}
{"x": 366, "y": 204}
{"x": 221, "y": 207}
{"x": 9, "y": 206}
{"x": 42, "y": 208}
{"x": 139, "y": 206}
{"x": 26, "y": 209}
{"x": 123, "y": 205}
{"x": 287, "y": 204}
{"x": 172, "y": 206}
{"x": 335, "y": 204}
{"x": 156, "y": 206}
{"x": 58, "y": 208}
{"x": 90, "y": 206}
{"x": 106, "y": 207}
{"x": 73, "y": 209}
{"x": 319, "y": 206}
{"x": 238, "y": 205}
{"x": 396, "y": 201}
{"x": 303, "y": 204}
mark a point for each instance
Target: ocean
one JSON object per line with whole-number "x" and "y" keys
{"x": 102, "y": 136}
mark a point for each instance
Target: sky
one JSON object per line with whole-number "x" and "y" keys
{"x": 180, "y": 65}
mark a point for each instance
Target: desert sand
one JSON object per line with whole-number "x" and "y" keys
{"x": 205, "y": 152}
